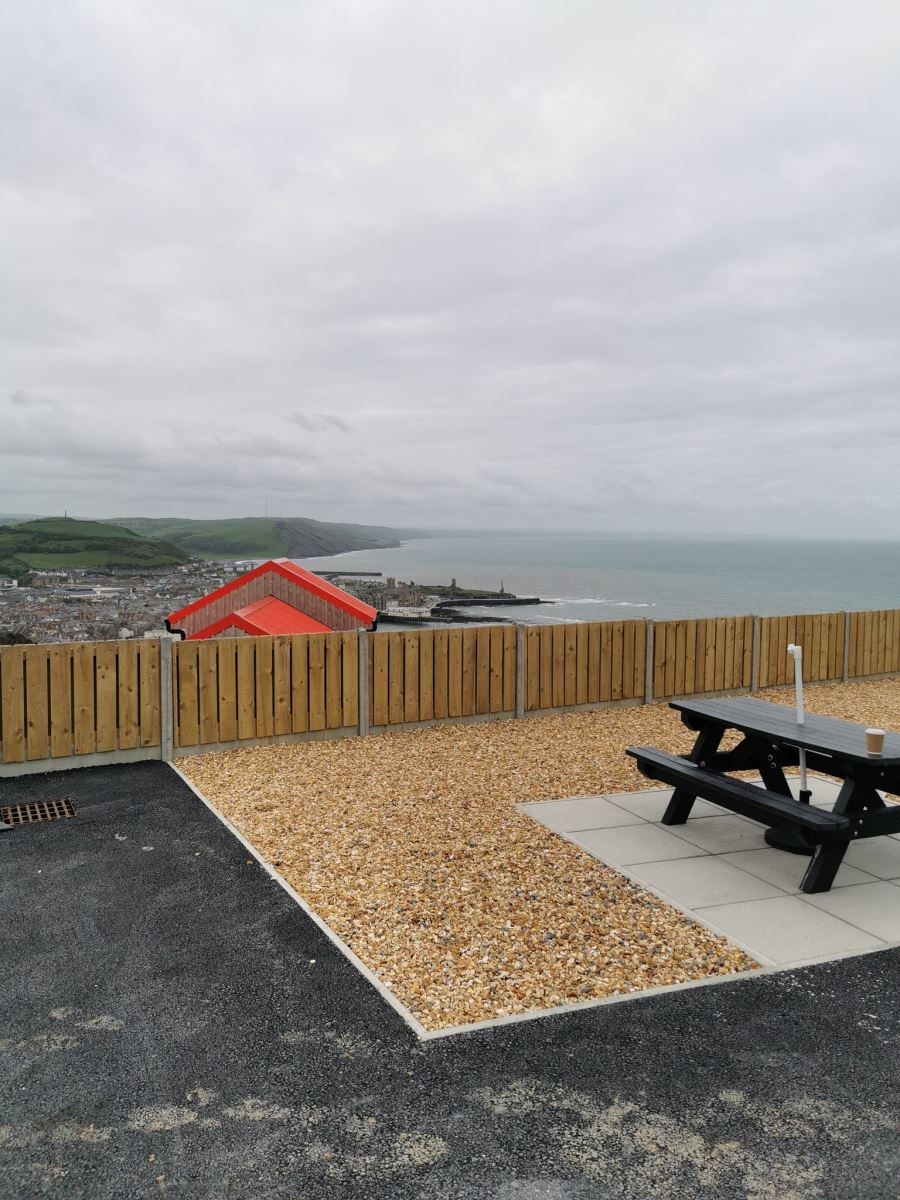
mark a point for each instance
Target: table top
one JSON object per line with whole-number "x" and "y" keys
{"x": 827, "y": 735}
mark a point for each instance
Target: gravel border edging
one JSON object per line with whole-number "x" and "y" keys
{"x": 423, "y": 1034}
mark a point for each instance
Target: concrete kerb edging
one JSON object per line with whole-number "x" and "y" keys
{"x": 426, "y": 1035}
{"x": 357, "y": 962}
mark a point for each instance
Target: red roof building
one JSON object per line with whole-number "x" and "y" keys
{"x": 277, "y": 597}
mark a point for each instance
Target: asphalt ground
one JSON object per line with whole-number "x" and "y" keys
{"x": 175, "y": 1025}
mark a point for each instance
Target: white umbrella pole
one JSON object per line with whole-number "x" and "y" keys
{"x": 796, "y": 653}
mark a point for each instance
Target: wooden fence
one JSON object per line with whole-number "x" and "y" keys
{"x": 83, "y": 703}
{"x": 78, "y": 698}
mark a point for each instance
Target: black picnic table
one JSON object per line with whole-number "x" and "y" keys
{"x": 772, "y": 740}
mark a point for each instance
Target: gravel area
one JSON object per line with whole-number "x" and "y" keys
{"x": 410, "y": 846}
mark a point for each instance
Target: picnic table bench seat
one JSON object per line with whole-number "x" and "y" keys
{"x": 737, "y": 795}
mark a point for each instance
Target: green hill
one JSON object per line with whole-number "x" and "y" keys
{"x": 262, "y": 537}
{"x": 52, "y": 543}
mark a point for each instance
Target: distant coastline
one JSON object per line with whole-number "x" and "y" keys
{"x": 599, "y": 577}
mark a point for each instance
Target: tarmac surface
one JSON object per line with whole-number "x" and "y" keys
{"x": 175, "y": 1025}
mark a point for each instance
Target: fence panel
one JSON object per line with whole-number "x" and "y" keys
{"x": 431, "y": 674}
{"x": 874, "y": 644}
{"x": 820, "y": 634}
{"x": 74, "y": 698}
{"x": 588, "y": 663}
{"x": 235, "y": 689}
{"x": 705, "y": 655}
{"x": 65, "y": 700}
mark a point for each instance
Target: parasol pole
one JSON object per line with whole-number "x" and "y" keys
{"x": 796, "y": 653}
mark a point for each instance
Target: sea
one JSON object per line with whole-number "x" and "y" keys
{"x": 585, "y": 577}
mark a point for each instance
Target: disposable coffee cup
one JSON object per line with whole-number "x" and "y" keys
{"x": 874, "y": 741}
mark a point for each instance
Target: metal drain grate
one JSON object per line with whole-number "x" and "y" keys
{"x": 41, "y": 810}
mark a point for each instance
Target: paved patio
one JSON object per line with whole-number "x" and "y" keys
{"x": 175, "y": 1025}
{"x": 718, "y": 868}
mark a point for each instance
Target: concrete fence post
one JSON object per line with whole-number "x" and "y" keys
{"x": 754, "y": 655}
{"x": 166, "y": 711}
{"x": 363, "y": 687}
{"x": 648, "y": 663}
{"x": 846, "y": 664}
{"x": 520, "y": 671}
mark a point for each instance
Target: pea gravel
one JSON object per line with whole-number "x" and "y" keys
{"x": 411, "y": 847}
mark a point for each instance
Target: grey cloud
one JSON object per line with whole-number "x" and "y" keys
{"x": 613, "y": 267}
{"x": 318, "y": 422}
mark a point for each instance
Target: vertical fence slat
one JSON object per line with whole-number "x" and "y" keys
{"x": 333, "y": 677}
{"x": 282, "y": 721}
{"x": 570, "y": 664}
{"x": 107, "y": 716}
{"x": 350, "y": 679}
{"x": 228, "y": 685}
{"x": 616, "y": 673}
{"x": 265, "y": 700}
{"x": 469, "y": 683}
{"x": 37, "y": 660}
{"x": 558, "y": 665}
{"x": 640, "y": 659}
{"x": 532, "y": 669}
{"x": 496, "y": 669}
{"x": 594, "y": 640}
{"x": 379, "y": 680}
{"x": 482, "y": 670}
{"x": 671, "y": 650}
{"x": 455, "y": 671}
{"x": 545, "y": 699}
{"x": 316, "y": 681}
{"x": 747, "y": 658}
{"x": 148, "y": 690}
{"x": 62, "y": 742}
{"x": 208, "y": 689}
{"x": 395, "y": 678}
{"x": 128, "y": 697}
{"x": 12, "y": 703}
{"x": 84, "y": 696}
{"x": 188, "y": 731}
{"x": 246, "y": 688}
{"x": 410, "y": 676}
{"x": 441, "y": 673}
{"x": 606, "y": 639}
{"x": 509, "y": 668}
{"x": 300, "y": 683}
{"x": 426, "y": 674}
{"x": 628, "y": 631}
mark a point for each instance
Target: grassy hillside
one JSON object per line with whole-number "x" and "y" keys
{"x": 262, "y": 537}
{"x": 52, "y": 543}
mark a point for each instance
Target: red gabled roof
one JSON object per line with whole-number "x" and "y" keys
{"x": 272, "y": 615}
{"x": 266, "y": 616}
{"x": 299, "y": 575}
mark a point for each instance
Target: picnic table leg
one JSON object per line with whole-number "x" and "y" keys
{"x": 679, "y": 807}
{"x": 857, "y": 795}
{"x": 772, "y": 774}
{"x": 823, "y": 867}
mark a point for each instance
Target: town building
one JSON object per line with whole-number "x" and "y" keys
{"x": 277, "y": 597}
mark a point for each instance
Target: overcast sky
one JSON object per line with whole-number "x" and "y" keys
{"x": 583, "y": 265}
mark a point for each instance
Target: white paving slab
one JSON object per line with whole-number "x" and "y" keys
{"x": 873, "y": 907}
{"x": 718, "y": 869}
{"x": 698, "y": 882}
{"x": 877, "y": 856}
{"x": 786, "y": 871}
{"x": 652, "y": 805}
{"x": 635, "y": 844}
{"x": 581, "y": 812}
{"x": 785, "y": 929}
{"x": 721, "y": 835}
